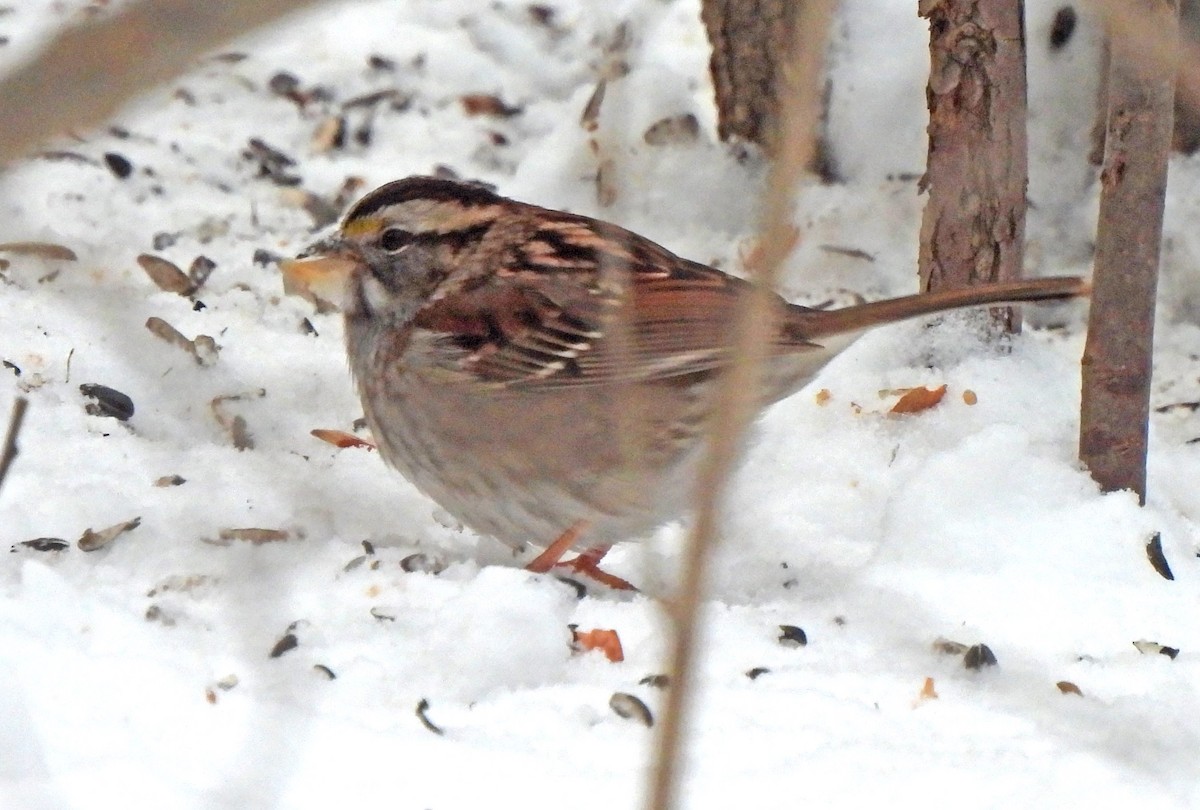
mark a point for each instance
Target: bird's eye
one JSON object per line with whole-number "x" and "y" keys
{"x": 394, "y": 238}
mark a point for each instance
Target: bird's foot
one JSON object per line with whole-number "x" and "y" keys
{"x": 586, "y": 564}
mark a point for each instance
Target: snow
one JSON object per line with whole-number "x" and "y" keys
{"x": 139, "y": 675}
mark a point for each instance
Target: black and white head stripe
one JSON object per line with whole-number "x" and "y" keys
{"x": 433, "y": 189}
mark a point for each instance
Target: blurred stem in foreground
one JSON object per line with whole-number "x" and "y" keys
{"x": 84, "y": 76}
{"x": 738, "y": 398}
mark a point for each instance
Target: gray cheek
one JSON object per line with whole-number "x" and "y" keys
{"x": 395, "y": 298}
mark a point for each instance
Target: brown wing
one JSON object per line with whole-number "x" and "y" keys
{"x": 581, "y": 302}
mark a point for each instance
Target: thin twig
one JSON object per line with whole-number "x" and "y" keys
{"x": 9, "y": 453}
{"x": 738, "y": 399}
{"x": 83, "y": 77}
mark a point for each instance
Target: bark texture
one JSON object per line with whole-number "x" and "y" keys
{"x": 752, "y": 42}
{"x": 1117, "y": 356}
{"x": 973, "y": 228}
{"x": 749, "y": 39}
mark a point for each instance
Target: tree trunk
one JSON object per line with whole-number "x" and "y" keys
{"x": 750, "y": 40}
{"x": 1117, "y": 356}
{"x": 973, "y": 228}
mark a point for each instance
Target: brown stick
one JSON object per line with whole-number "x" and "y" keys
{"x": 800, "y": 104}
{"x": 1100, "y": 125}
{"x": 85, "y": 75}
{"x": 1117, "y": 360}
{"x": 973, "y": 227}
{"x": 10, "y": 451}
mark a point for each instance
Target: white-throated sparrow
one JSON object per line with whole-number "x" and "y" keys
{"x": 533, "y": 370}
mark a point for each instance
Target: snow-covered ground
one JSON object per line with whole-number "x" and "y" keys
{"x": 141, "y": 675}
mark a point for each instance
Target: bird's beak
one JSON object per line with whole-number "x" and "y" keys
{"x": 323, "y": 278}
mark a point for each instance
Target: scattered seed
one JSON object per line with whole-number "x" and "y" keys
{"x": 1068, "y": 688}
{"x": 235, "y": 425}
{"x": 1154, "y": 551}
{"x": 377, "y": 62}
{"x": 606, "y": 182}
{"x": 381, "y": 616}
{"x": 589, "y": 120}
{"x": 422, "y": 563}
{"x": 283, "y": 84}
{"x": 210, "y": 695}
{"x": 354, "y": 563}
{"x": 330, "y": 134}
{"x": 1150, "y": 647}
{"x": 254, "y": 536}
{"x": 43, "y": 544}
{"x": 674, "y": 129}
{"x": 16, "y": 370}
{"x": 970, "y": 397}
{"x": 753, "y": 674}
{"x": 979, "y": 656}
{"x": 163, "y": 240}
{"x": 657, "y": 681}
{"x": 486, "y": 104}
{"x": 154, "y": 613}
{"x": 574, "y": 584}
{"x": 93, "y": 540}
{"x": 423, "y": 716}
{"x": 118, "y": 164}
{"x": 1192, "y": 405}
{"x": 228, "y": 682}
{"x": 849, "y": 252}
{"x": 948, "y": 647}
{"x": 199, "y": 271}
{"x": 170, "y": 481}
{"x": 41, "y": 250}
{"x": 340, "y": 438}
{"x": 368, "y": 548}
{"x": 823, "y": 396}
{"x": 322, "y": 211}
{"x": 287, "y": 642}
{"x": 326, "y": 671}
{"x": 265, "y": 258}
{"x": 348, "y": 191}
{"x": 108, "y": 401}
{"x": 1062, "y": 27}
{"x": 203, "y": 349}
{"x": 206, "y": 350}
{"x": 542, "y": 15}
{"x": 792, "y": 636}
{"x": 181, "y": 584}
{"x": 631, "y": 707}
{"x": 272, "y": 163}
